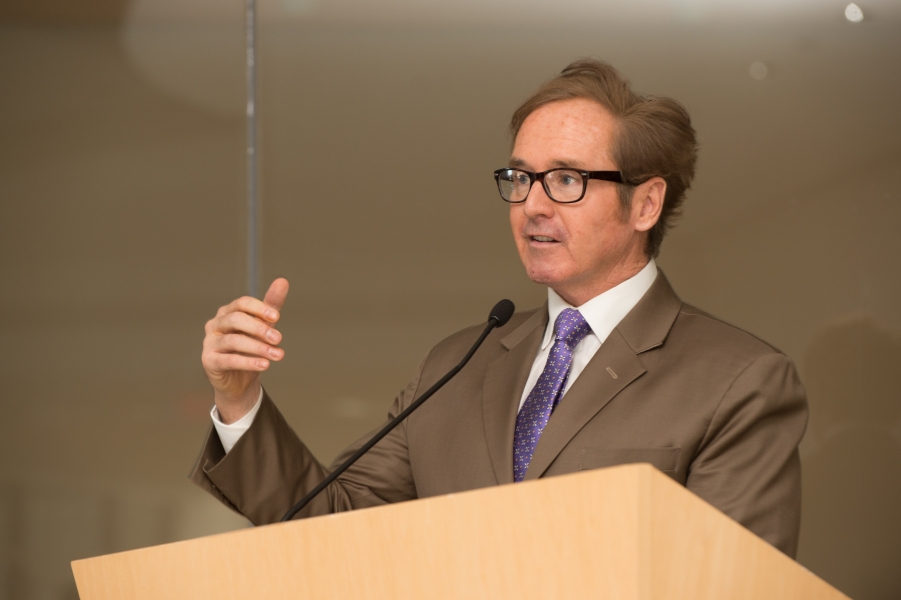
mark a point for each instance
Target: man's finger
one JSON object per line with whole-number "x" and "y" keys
{"x": 237, "y": 343}
{"x": 278, "y": 291}
{"x": 251, "y": 306}
{"x": 243, "y": 323}
{"x": 236, "y": 362}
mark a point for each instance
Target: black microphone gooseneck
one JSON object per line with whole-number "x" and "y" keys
{"x": 498, "y": 317}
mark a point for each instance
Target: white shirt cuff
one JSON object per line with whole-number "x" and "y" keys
{"x": 230, "y": 434}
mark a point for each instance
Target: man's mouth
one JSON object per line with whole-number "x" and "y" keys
{"x": 541, "y": 238}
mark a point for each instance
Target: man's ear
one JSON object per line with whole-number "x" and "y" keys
{"x": 647, "y": 203}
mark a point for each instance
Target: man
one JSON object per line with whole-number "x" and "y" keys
{"x": 613, "y": 369}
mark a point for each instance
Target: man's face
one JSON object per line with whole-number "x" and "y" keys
{"x": 582, "y": 249}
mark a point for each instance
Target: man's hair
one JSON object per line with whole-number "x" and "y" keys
{"x": 653, "y": 138}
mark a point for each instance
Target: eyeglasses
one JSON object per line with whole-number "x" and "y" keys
{"x": 561, "y": 185}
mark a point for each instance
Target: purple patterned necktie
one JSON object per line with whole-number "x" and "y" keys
{"x": 569, "y": 329}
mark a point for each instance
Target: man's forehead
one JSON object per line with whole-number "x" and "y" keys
{"x": 574, "y": 133}
{"x": 517, "y": 162}
{"x": 587, "y": 113}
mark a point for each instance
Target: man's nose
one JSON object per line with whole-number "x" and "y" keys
{"x": 537, "y": 202}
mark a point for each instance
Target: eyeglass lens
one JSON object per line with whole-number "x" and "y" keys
{"x": 562, "y": 185}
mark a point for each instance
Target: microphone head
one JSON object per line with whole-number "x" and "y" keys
{"x": 502, "y": 312}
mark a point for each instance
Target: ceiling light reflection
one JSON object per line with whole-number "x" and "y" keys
{"x": 758, "y": 71}
{"x": 853, "y": 13}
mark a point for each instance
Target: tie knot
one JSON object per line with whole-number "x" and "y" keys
{"x": 571, "y": 327}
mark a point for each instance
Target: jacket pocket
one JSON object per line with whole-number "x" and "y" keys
{"x": 664, "y": 459}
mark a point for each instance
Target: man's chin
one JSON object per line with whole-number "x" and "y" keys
{"x": 547, "y": 277}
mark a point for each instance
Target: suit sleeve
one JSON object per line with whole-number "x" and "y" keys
{"x": 748, "y": 464}
{"x": 270, "y": 469}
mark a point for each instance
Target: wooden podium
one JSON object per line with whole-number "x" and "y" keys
{"x": 622, "y": 533}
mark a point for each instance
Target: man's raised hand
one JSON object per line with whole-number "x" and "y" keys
{"x": 241, "y": 341}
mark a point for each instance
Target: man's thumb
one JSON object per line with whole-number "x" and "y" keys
{"x": 278, "y": 291}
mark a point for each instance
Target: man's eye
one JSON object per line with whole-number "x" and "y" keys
{"x": 573, "y": 178}
{"x": 521, "y": 178}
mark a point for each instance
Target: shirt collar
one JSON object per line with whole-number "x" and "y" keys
{"x": 604, "y": 312}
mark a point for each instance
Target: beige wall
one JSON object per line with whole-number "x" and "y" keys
{"x": 122, "y": 229}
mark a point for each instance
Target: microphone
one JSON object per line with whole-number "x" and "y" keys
{"x": 501, "y": 313}
{"x": 498, "y": 317}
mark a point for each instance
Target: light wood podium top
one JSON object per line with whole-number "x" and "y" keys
{"x": 625, "y": 532}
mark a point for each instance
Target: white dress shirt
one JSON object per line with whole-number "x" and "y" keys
{"x": 603, "y": 313}
{"x": 231, "y": 433}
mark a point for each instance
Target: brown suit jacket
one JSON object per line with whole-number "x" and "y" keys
{"x": 710, "y": 405}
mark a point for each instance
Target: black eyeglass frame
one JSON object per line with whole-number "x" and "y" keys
{"x": 614, "y": 176}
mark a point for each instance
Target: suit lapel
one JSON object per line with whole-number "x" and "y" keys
{"x": 505, "y": 379}
{"x": 594, "y": 388}
{"x": 615, "y": 365}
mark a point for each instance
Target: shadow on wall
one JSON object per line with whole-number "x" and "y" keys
{"x": 851, "y": 519}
